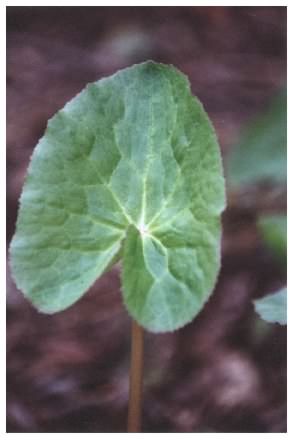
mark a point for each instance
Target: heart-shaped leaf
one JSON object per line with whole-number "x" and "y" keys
{"x": 130, "y": 167}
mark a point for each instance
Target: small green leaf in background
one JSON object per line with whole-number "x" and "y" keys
{"x": 261, "y": 154}
{"x": 273, "y": 308}
{"x": 131, "y": 166}
{"x": 274, "y": 232}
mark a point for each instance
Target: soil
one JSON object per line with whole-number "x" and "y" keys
{"x": 224, "y": 372}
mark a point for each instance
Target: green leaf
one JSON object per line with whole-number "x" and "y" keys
{"x": 273, "y": 308}
{"x": 274, "y": 232}
{"x": 130, "y": 167}
{"x": 261, "y": 154}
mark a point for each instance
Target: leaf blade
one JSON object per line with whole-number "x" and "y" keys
{"x": 131, "y": 165}
{"x": 273, "y": 308}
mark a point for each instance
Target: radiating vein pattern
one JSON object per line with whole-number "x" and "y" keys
{"x": 130, "y": 167}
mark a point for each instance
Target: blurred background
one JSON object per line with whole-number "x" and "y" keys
{"x": 226, "y": 371}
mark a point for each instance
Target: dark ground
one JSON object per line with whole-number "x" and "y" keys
{"x": 226, "y": 371}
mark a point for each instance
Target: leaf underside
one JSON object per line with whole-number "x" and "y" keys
{"x": 130, "y": 167}
{"x": 273, "y": 308}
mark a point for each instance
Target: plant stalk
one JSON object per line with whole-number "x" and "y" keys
{"x": 135, "y": 379}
